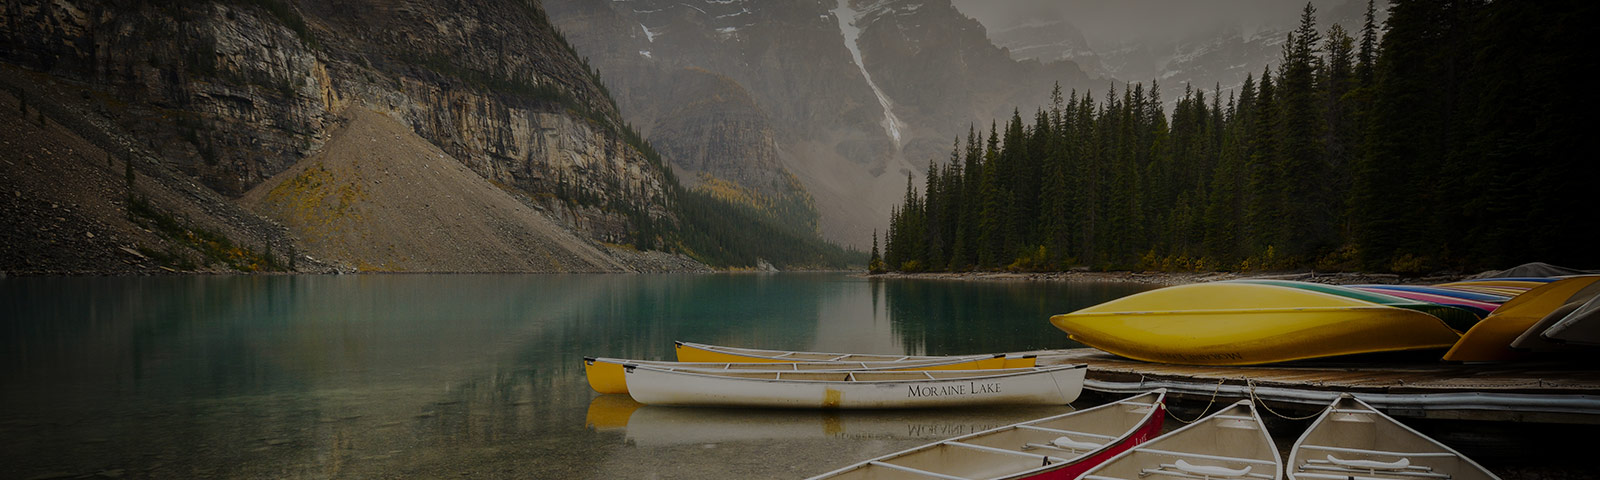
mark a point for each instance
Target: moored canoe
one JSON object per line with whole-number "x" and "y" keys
{"x": 606, "y": 374}
{"x": 1054, "y": 385}
{"x": 1457, "y": 318}
{"x": 1235, "y": 323}
{"x": 1059, "y": 447}
{"x": 1231, "y": 444}
{"x": 1581, "y": 327}
{"x": 1353, "y": 440}
{"x": 1490, "y": 340}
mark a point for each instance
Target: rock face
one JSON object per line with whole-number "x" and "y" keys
{"x": 377, "y": 197}
{"x": 849, "y": 132}
{"x": 234, "y": 93}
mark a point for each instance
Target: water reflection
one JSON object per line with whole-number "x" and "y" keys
{"x": 647, "y": 425}
{"x": 442, "y": 375}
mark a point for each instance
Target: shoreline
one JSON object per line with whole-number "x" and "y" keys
{"x": 1177, "y": 278}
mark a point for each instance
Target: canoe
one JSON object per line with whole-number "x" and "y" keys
{"x": 1479, "y": 308}
{"x": 1465, "y": 294}
{"x": 1059, "y": 447}
{"x": 1353, "y": 440}
{"x": 700, "y": 352}
{"x": 1458, "y": 319}
{"x": 1231, "y": 444}
{"x": 1581, "y": 327}
{"x": 1490, "y": 340}
{"x": 1235, "y": 323}
{"x": 1055, "y": 385}
{"x": 605, "y": 374}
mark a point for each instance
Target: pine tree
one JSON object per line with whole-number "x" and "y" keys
{"x": 875, "y": 262}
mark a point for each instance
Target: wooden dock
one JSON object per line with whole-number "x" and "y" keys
{"x": 1562, "y": 393}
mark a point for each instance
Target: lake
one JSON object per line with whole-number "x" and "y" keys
{"x": 467, "y": 375}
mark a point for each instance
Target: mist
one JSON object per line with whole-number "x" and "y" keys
{"x": 1106, "y": 23}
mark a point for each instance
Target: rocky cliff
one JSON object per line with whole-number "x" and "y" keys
{"x": 233, "y": 92}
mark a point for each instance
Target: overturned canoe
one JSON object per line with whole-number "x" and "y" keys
{"x": 606, "y": 374}
{"x": 699, "y": 352}
{"x": 1055, "y": 385}
{"x": 1057, "y": 448}
{"x": 1490, "y": 340}
{"x": 1353, "y": 440}
{"x": 1231, "y": 444}
{"x": 1236, "y": 323}
{"x": 1581, "y": 327}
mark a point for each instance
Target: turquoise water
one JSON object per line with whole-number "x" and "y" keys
{"x": 430, "y": 376}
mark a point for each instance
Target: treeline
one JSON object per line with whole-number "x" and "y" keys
{"x": 1455, "y": 143}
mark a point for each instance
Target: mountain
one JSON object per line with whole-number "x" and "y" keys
{"x": 857, "y": 95}
{"x": 1207, "y": 48}
{"x": 209, "y": 99}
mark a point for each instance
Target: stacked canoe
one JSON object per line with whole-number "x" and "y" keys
{"x": 716, "y": 376}
{"x": 1249, "y": 322}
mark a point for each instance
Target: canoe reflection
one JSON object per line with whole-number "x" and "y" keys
{"x": 648, "y": 425}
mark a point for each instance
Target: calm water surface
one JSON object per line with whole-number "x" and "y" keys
{"x": 466, "y": 375}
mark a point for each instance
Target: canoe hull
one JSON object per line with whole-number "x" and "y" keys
{"x": 1036, "y": 386}
{"x": 1201, "y": 324}
{"x": 1490, "y": 340}
{"x": 605, "y": 375}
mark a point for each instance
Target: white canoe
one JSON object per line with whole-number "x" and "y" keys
{"x": 1231, "y": 444}
{"x": 1056, "y": 385}
{"x": 605, "y": 374}
{"x": 1353, "y": 440}
{"x": 1581, "y": 327}
{"x": 1057, "y": 447}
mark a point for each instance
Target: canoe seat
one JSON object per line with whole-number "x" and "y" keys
{"x": 1349, "y": 468}
{"x": 1211, "y": 471}
{"x": 1071, "y": 444}
{"x": 1370, "y": 464}
{"x": 1186, "y": 470}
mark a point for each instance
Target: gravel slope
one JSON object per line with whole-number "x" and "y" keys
{"x": 377, "y": 197}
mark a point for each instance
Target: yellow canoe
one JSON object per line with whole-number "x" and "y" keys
{"x": 606, "y": 374}
{"x": 1490, "y": 340}
{"x": 700, "y": 352}
{"x": 1231, "y": 323}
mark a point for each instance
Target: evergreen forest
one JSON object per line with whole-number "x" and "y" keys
{"x": 1449, "y": 138}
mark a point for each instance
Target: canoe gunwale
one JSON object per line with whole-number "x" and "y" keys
{"x": 756, "y": 353}
{"x": 989, "y": 374}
